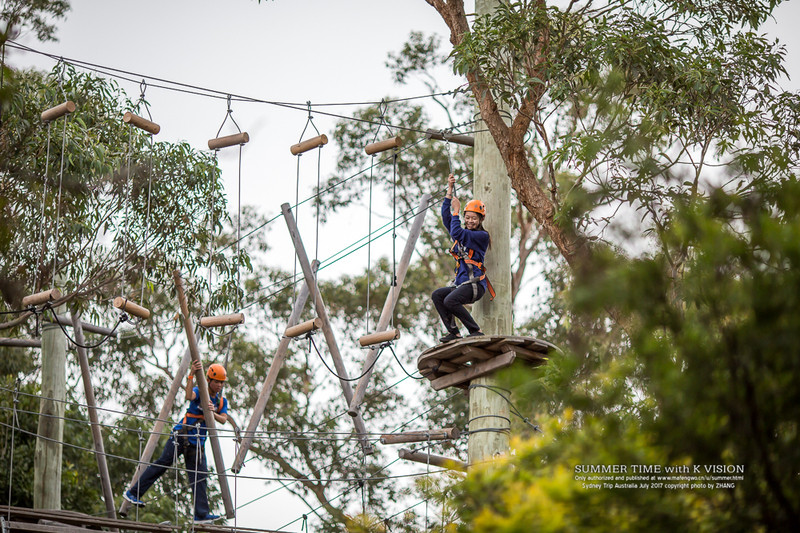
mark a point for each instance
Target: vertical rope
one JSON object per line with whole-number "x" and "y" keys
{"x": 213, "y": 223}
{"x": 297, "y": 222}
{"x": 138, "y": 494}
{"x": 194, "y": 485}
{"x": 13, "y": 435}
{"x": 127, "y": 202}
{"x": 37, "y": 281}
{"x": 369, "y": 244}
{"x": 316, "y": 240}
{"x": 177, "y": 479}
{"x": 58, "y": 205}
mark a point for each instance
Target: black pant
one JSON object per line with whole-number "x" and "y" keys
{"x": 449, "y": 303}
{"x": 196, "y": 470}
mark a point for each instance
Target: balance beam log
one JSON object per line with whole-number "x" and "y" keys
{"x": 382, "y": 146}
{"x": 309, "y": 144}
{"x": 58, "y": 111}
{"x": 230, "y": 140}
{"x": 222, "y": 320}
{"x": 379, "y": 337}
{"x": 302, "y": 329}
{"x": 141, "y": 123}
{"x": 41, "y": 297}
{"x": 130, "y": 307}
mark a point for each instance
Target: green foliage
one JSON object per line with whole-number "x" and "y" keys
{"x": 705, "y": 378}
{"x": 32, "y": 15}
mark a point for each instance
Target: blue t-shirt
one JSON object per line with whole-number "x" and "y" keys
{"x": 194, "y": 424}
{"x": 475, "y": 240}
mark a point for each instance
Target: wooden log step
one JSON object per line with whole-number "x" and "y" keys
{"x": 140, "y": 122}
{"x": 379, "y": 337}
{"x": 39, "y": 298}
{"x": 438, "y": 135}
{"x": 309, "y": 144}
{"x": 382, "y": 146}
{"x": 228, "y": 140}
{"x": 60, "y": 110}
{"x": 303, "y": 328}
{"x": 130, "y": 307}
{"x": 222, "y": 320}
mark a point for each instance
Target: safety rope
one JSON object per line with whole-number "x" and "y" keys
{"x": 39, "y": 273}
{"x": 60, "y": 180}
{"x": 367, "y": 371}
{"x": 14, "y": 424}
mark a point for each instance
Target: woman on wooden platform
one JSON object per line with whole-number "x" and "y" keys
{"x": 469, "y": 247}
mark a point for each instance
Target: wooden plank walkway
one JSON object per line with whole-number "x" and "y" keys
{"x": 23, "y": 519}
{"x": 456, "y": 363}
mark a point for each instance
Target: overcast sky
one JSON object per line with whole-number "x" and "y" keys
{"x": 290, "y": 51}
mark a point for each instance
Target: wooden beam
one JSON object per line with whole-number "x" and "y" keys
{"x": 391, "y": 302}
{"x": 470, "y": 353}
{"x": 430, "y": 459}
{"x": 466, "y": 140}
{"x": 158, "y": 427}
{"x": 91, "y": 404}
{"x": 79, "y": 520}
{"x": 272, "y": 377}
{"x": 474, "y": 371}
{"x": 65, "y": 320}
{"x": 420, "y": 436}
{"x": 205, "y": 399}
{"x": 20, "y": 343}
{"x": 309, "y": 144}
{"x": 327, "y": 330}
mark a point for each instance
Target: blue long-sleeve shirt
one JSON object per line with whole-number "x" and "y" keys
{"x": 475, "y": 240}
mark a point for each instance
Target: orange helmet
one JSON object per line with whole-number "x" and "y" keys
{"x": 476, "y": 206}
{"x": 217, "y": 372}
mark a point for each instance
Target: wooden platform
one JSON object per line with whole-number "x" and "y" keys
{"x": 56, "y": 521}
{"x": 456, "y": 363}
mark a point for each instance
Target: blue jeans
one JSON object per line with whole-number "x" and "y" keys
{"x": 196, "y": 470}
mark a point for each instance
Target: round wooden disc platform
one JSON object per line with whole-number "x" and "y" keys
{"x": 456, "y": 363}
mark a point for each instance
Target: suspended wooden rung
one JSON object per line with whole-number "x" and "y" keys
{"x": 466, "y": 140}
{"x": 129, "y": 307}
{"x": 141, "y": 123}
{"x": 379, "y": 337}
{"x": 222, "y": 320}
{"x": 302, "y": 329}
{"x": 382, "y": 146}
{"x": 430, "y": 459}
{"x": 230, "y": 140}
{"x": 20, "y": 343}
{"x": 420, "y": 436}
{"x": 309, "y": 144}
{"x": 40, "y": 298}
{"x": 58, "y": 111}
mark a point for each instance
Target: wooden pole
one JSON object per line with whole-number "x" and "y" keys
{"x": 420, "y": 436}
{"x": 391, "y": 301}
{"x": 158, "y": 427}
{"x": 488, "y": 409}
{"x": 272, "y": 377}
{"x": 327, "y": 330}
{"x": 97, "y": 435}
{"x": 20, "y": 343}
{"x": 430, "y": 459}
{"x": 47, "y": 458}
{"x": 466, "y": 140}
{"x": 64, "y": 320}
{"x": 205, "y": 398}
